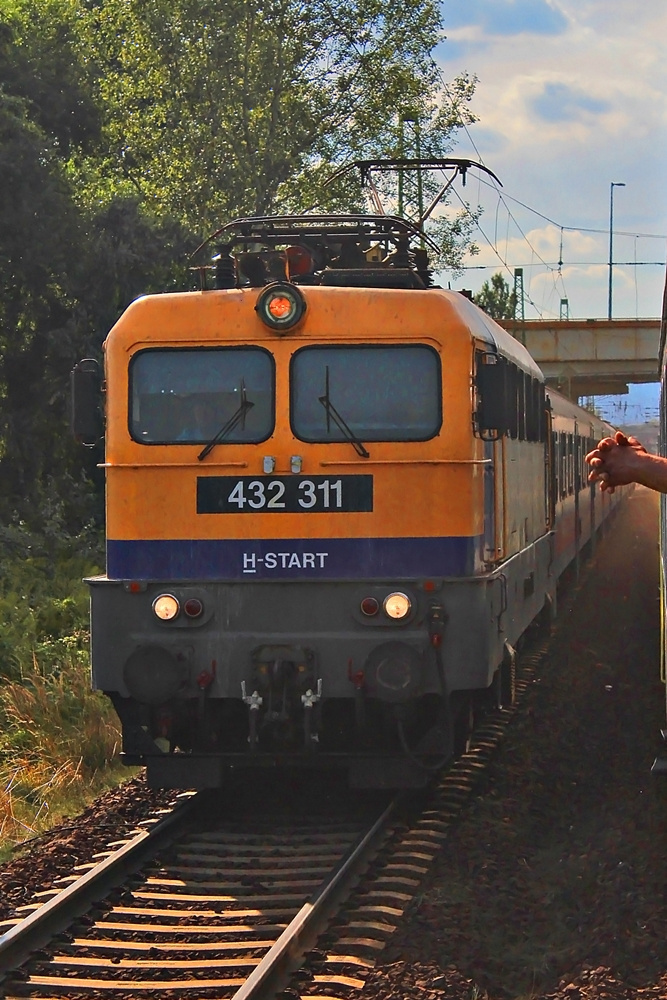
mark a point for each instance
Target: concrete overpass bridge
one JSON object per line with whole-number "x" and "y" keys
{"x": 592, "y": 357}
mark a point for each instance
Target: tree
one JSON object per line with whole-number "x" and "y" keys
{"x": 496, "y": 298}
{"x": 131, "y": 128}
{"x": 66, "y": 270}
{"x": 217, "y": 110}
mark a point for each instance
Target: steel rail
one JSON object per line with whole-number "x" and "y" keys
{"x": 307, "y": 925}
{"x": 39, "y": 927}
{"x": 399, "y": 878}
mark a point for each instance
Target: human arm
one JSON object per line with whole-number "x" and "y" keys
{"x": 620, "y": 460}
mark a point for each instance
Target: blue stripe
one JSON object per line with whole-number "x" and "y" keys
{"x": 290, "y": 558}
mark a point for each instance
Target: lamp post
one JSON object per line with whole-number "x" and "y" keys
{"x": 614, "y": 184}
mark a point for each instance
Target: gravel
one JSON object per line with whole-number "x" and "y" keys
{"x": 111, "y": 817}
{"x": 552, "y": 885}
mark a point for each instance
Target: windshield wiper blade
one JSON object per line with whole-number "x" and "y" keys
{"x": 237, "y": 417}
{"x": 333, "y": 414}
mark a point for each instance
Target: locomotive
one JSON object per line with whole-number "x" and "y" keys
{"x": 336, "y": 498}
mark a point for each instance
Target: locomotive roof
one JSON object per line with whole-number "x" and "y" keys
{"x": 345, "y": 251}
{"x": 330, "y": 228}
{"x": 342, "y": 250}
{"x": 498, "y": 339}
{"x": 362, "y": 251}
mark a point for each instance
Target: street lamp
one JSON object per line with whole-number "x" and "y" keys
{"x": 614, "y": 184}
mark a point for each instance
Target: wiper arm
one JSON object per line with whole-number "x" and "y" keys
{"x": 238, "y": 416}
{"x": 333, "y": 414}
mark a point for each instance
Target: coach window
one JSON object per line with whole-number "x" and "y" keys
{"x": 182, "y": 396}
{"x": 374, "y": 393}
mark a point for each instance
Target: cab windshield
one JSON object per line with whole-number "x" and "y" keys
{"x": 366, "y": 393}
{"x": 180, "y": 396}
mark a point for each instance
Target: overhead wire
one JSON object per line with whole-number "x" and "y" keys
{"x": 570, "y": 229}
{"x": 576, "y": 263}
{"x": 558, "y": 268}
{"x": 509, "y": 214}
{"x": 494, "y": 247}
{"x": 533, "y": 249}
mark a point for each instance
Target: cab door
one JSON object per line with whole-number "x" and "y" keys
{"x": 494, "y": 501}
{"x": 550, "y": 478}
{"x": 491, "y": 421}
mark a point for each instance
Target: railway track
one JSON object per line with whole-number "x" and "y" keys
{"x": 291, "y": 902}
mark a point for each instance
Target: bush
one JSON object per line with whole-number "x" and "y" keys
{"x": 58, "y": 738}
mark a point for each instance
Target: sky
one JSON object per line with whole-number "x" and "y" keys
{"x": 571, "y": 96}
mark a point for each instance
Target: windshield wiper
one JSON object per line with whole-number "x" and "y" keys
{"x": 238, "y": 416}
{"x": 333, "y": 414}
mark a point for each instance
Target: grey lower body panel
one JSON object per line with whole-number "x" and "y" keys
{"x": 267, "y": 669}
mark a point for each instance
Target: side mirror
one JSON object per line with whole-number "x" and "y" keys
{"x": 86, "y": 398}
{"x": 492, "y": 381}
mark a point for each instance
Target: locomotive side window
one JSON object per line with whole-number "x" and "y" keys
{"x": 523, "y": 381}
{"x": 514, "y": 423}
{"x": 526, "y": 406}
{"x": 180, "y": 396}
{"x": 374, "y": 393}
{"x": 536, "y": 426}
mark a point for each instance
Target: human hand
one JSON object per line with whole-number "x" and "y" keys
{"x": 613, "y": 461}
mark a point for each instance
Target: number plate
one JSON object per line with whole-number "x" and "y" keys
{"x": 283, "y": 494}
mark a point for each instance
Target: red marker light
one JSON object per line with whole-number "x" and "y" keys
{"x": 299, "y": 261}
{"x": 193, "y": 607}
{"x": 280, "y": 307}
{"x": 369, "y": 606}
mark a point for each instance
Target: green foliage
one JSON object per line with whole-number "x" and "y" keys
{"x": 42, "y": 594}
{"x": 58, "y": 741}
{"x": 58, "y": 738}
{"x": 51, "y": 717}
{"x": 68, "y": 267}
{"x": 41, "y": 66}
{"x": 128, "y": 130}
{"x": 131, "y": 128}
{"x": 217, "y": 110}
{"x": 496, "y": 298}
{"x": 42, "y": 600}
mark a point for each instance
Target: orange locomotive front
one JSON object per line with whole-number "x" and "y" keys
{"x": 323, "y": 530}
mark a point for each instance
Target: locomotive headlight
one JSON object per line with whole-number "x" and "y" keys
{"x": 397, "y": 605}
{"x": 166, "y": 607}
{"x": 280, "y": 306}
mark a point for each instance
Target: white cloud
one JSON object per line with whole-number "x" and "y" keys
{"x": 561, "y": 116}
{"x": 506, "y": 17}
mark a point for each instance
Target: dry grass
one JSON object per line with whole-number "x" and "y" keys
{"x": 58, "y": 741}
